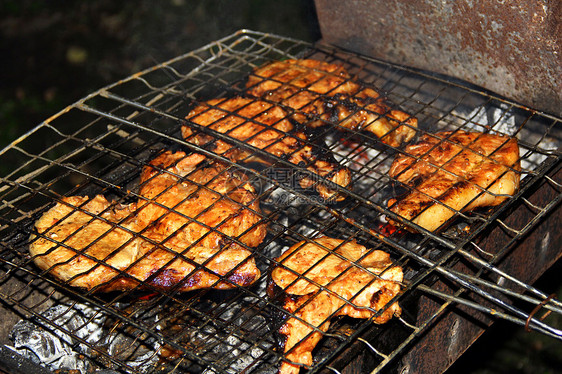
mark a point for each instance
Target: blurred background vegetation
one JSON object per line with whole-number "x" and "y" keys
{"x": 55, "y": 52}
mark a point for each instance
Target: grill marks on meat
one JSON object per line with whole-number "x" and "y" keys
{"x": 82, "y": 244}
{"x": 297, "y": 84}
{"x": 207, "y": 206}
{"x": 266, "y": 127}
{"x": 315, "y": 93}
{"x": 325, "y": 278}
{"x": 449, "y": 172}
{"x": 319, "y": 93}
{"x": 176, "y": 235}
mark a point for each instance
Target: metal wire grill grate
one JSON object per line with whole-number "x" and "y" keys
{"x": 100, "y": 144}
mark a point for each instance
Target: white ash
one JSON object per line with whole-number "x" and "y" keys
{"x": 281, "y": 197}
{"x": 499, "y": 119}
{"x": 244, "y": 355}
{"x": 356, "y": 156}
{"x": 131, "y": 346}
{"x": 368, "y": 165}
{"x": 233, "y": 350}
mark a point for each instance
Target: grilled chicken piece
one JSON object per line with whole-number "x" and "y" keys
{"x": 450, "y": 172}
{"x": 355, "y": 282}
{"x": 183, "y": 204}
{"x": 95, "y": 243}
{"x": 320, "y": 92}
{"x": 81, "y": 243}
{"x": 264, "y": 126}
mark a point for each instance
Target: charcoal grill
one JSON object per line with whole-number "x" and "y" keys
{"x": 458, "y": 281}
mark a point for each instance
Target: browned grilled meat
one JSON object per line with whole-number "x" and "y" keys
{"x": 82, "y": 245}
{"x": 207, "y": 206}
{"x": 450, "y": 172}
{"x": 266, "y": 127}
{"x": 94, "y": 243}
{"x": 356, "y": 282}
{"x": 320, "y": 92}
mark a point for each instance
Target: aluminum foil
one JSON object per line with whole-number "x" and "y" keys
{"x": 70, "y": 347}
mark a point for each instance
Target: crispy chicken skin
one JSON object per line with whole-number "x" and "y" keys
{"x": 325, "y": 278}
{"x": 448, "y": 172}
{"x": 319, "y": 92}
{"x": 92, "y": 243}
{"x": 264, "y": 126}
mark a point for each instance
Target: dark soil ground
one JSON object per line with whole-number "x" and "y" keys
{"x": 55, "y": 52}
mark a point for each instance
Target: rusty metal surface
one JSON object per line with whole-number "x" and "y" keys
{"x": 513, "y": 48}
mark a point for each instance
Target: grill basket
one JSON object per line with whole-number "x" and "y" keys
{"x": 479, "y": 269}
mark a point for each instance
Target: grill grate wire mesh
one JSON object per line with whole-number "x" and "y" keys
{"x": 100, "y": 143}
